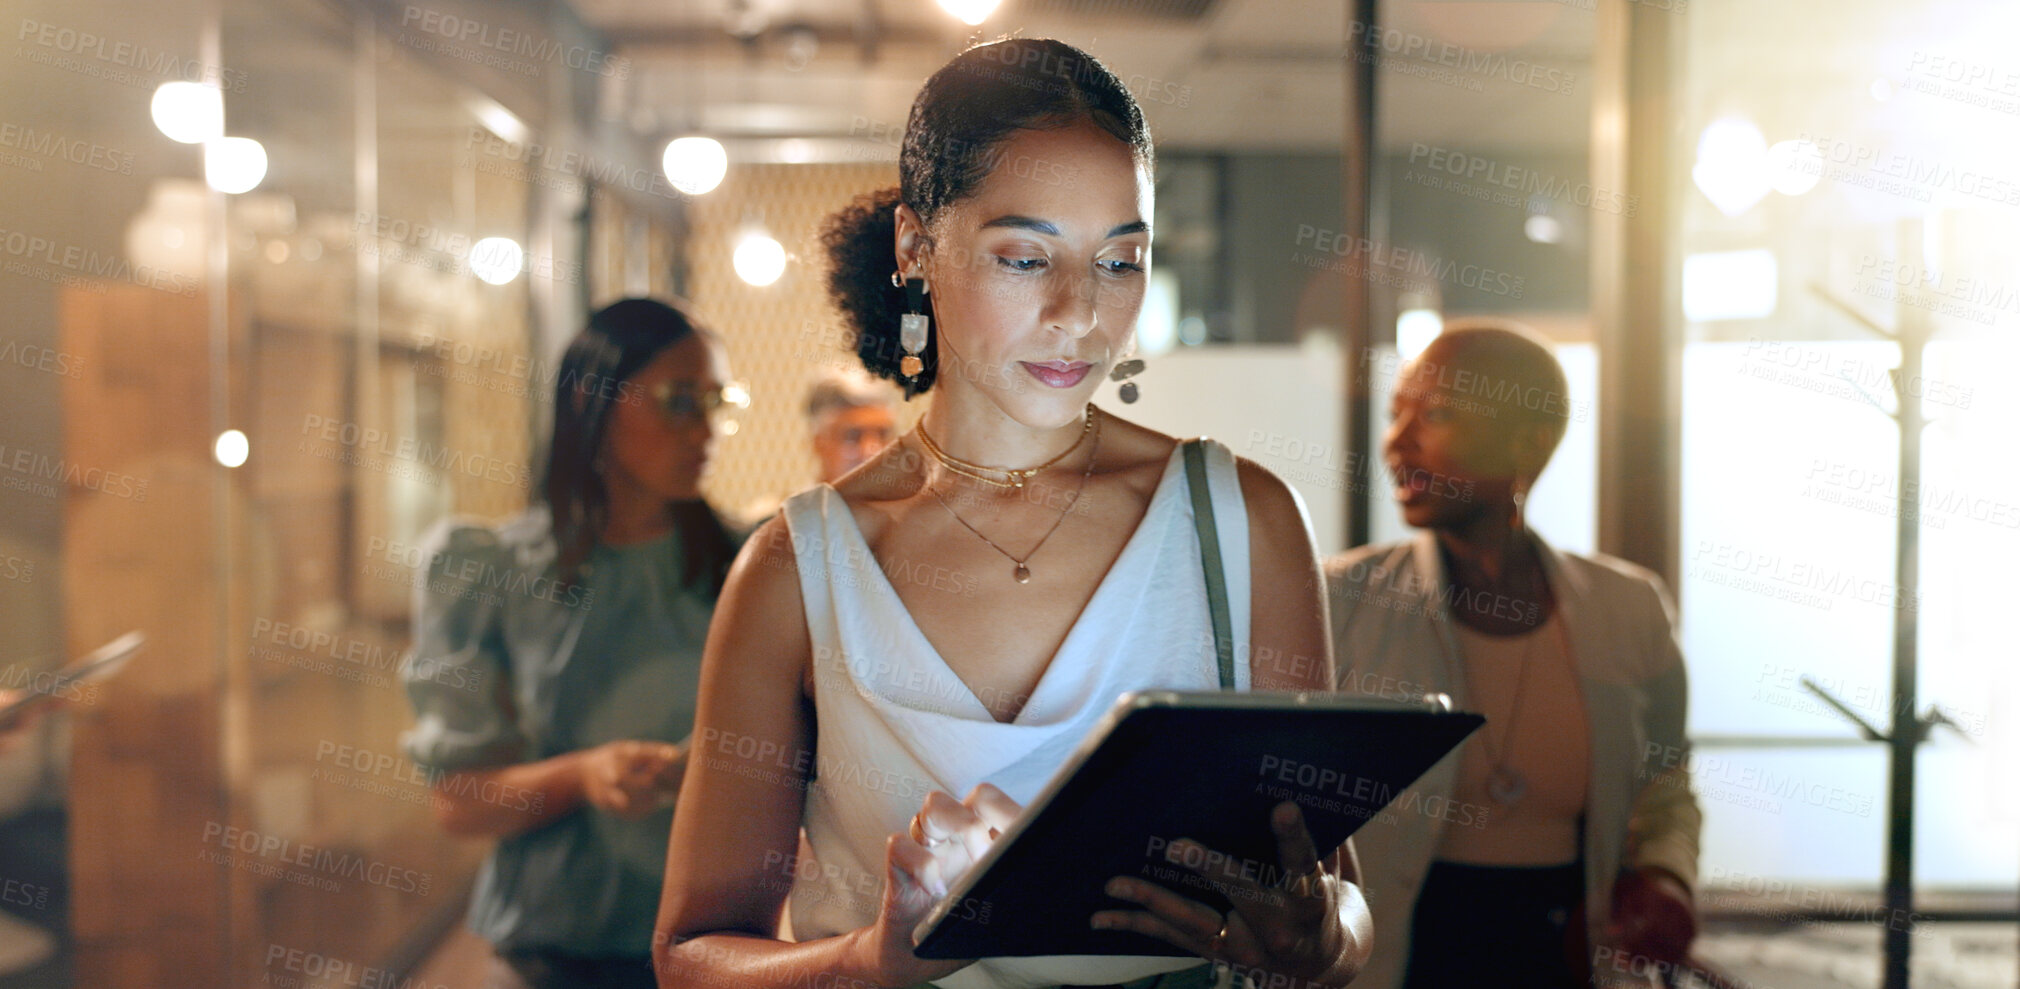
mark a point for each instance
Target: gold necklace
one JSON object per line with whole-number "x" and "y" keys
{"x": 1022, "y": 573}
{"x": 1018, "y": 476}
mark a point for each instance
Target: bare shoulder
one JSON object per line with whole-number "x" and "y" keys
{"x": 762, "y": 595}
{"x": 1133, "y": 453}
{"x": 875, "y": 489}
{"x": 1276, "y": 513}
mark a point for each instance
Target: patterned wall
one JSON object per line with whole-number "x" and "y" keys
{"x": 782, "y": 336}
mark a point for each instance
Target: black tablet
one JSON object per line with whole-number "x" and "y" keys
{"x": 1164, "y": 765}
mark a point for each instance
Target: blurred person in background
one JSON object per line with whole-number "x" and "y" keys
{"x": 852, "y": 416}
{"x": 1063, "y": 569}
{"x": 555, "y": 658}
{"x": 34, "y": 761}
{"x": 1572, "y": 800}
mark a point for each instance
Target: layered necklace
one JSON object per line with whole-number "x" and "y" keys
{"x": 1015, "y": 478}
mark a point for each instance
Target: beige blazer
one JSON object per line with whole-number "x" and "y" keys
{"x": 1393, "y": 637}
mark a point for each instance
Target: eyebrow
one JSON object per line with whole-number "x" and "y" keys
{"x": 1051, "y": 229}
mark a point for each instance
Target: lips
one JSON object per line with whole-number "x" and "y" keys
{"x": 1057, "y": 374}
{"x": 1412, "y": 483}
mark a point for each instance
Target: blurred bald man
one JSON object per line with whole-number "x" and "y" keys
{"x": 1573, "y": 801}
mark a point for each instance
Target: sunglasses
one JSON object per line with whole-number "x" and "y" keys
{"x": 686, "y": 402}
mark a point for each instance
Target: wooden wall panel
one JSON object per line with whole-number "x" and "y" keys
{"x": 139, "y": 544}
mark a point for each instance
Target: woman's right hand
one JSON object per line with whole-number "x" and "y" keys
{"x": 628, "y": 777}
{"x": 918, "y": 874}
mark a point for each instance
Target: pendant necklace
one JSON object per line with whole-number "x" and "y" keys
{"x": 1505, "y": 785}
{"x": 1022, "y": 572}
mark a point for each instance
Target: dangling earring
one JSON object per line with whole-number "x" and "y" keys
{"x": 912, "y": 326}
{"x": 1521, "y": 499}
{"x": 1122, "y": 372}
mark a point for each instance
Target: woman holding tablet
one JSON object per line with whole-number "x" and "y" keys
{"x": 956, "y": 614}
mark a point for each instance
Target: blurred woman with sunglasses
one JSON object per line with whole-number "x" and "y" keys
{"x": 555, "y": 658}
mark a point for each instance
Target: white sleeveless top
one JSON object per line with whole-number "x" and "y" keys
{"x": 895, "y": 722}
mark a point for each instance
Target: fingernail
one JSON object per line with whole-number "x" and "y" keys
{"x": 1117, "y": 887}
{"x": 1098, "y": 922}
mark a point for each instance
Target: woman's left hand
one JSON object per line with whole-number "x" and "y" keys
{"x": 1289, "y": 926}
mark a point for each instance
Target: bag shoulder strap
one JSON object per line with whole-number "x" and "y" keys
{"x": 1209, "y": 558}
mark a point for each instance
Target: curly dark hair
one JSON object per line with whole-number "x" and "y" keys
{"x": 961, "y": 117}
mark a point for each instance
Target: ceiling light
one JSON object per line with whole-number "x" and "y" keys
{"x": 189, "y": 112}
{"x": 496, "y": 260}
{"x": 971, "y": 12}
{"x": 1731, "y": 165}
{"x": 234, "y": 164}
{"x": 759, "y": 260}
{"x": 695, "y": 165}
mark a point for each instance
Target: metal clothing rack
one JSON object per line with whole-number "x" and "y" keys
{"x": 1913, "y": 331}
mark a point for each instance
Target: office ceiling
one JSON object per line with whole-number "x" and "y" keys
{"x": 1211, "y": 74}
